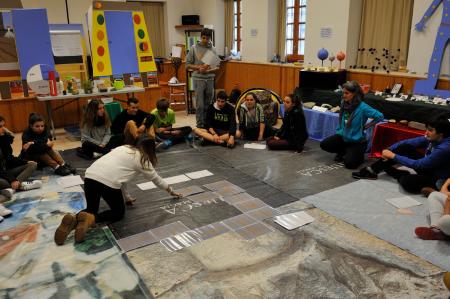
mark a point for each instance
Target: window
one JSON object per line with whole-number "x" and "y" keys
{"x": 237, "y": 26}
{"x": 295, "y": 28}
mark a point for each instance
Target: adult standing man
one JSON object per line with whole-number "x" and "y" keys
{"x": 203, "y": 76}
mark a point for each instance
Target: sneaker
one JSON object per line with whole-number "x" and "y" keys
{"x": 97, "y": 155}
{"x": 4, "y": 212}
{"x": 166, "y": 144}
{"x": 80, "y": 153}
{"x": 35, "y": 184}
{"x": 189, "y": 138}
{"x": 364, "y": 173}
{"x": 430, "y": 233}
{"x": 70, "y": 168}
{"x": 62, "y": 171}
{"x": 426, "y": 191}
{"x": 8, "y": 192}
{"x": 68, "y": 224}
{"x": 1, "y": 218}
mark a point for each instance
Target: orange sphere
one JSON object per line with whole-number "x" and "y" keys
{"x": 340, "y": 56}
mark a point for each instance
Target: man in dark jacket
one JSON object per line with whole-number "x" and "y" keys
{"x": 432, "y": 168}
{"x": 143, "y": 120}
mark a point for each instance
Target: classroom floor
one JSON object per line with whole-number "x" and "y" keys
{"x": 328, "y": 258}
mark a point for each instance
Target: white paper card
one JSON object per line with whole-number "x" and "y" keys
{"x": 70, "y": 181}
{"x": 211, "y": 59}
{"x": 255, "y": 146}
{"x": 146, "y": 186}
{"x": 176, "y": 179}
{"x": 294, "y": 220}
{"x": 403, "y": 202}
{"x": 199, "y": 174}
{"x": 66, "y": 43}
{"x": 176, "y": 51}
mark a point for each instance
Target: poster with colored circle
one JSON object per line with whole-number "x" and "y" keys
{"x": 143, "y": 48}
{"x": 101, "y": 61}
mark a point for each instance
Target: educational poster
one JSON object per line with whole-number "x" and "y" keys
{"x": 122, "y": 48}
{"x": 144, "y": 50}
{"x": 120, "y": 43}
{"x": 101, "y": 61}
{"x": 32, "y": 35}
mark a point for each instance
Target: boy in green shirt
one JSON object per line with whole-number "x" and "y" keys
{"x": 163, "y": 124}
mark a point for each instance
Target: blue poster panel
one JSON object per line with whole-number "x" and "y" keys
{"x": 122, "y": 46}
{"x": 32, "y": 38}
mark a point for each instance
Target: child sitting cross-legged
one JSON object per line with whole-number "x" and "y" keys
{"x": 37, "y": 145}
{"x": 163, "y": 124}
{"x": 14, "y": 171}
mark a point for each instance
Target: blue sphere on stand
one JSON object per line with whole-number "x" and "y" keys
{"x": 322, "y": 54}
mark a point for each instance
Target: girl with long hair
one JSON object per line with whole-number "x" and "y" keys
{"x": 37, "y": 145}
{"x": 293, "y": 133}
{"x": 104, "y": 178}
{"x": 95, "y": 131}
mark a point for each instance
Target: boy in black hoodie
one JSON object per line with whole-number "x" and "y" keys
{"x": 220, "y": 122}
{"x": 13, "y": 170}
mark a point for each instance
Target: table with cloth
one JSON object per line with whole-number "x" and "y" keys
{"x": 408, "y": 110}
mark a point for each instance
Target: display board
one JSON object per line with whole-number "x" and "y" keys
{"x": 120, "y": 43}
{"x": 32, "y": 35}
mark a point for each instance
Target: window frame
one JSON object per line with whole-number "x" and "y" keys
{"x": 237, "y": 20}
{"x": 296, "y": 39}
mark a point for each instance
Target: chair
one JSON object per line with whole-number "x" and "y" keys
{"x": 268, "y": 99}
{"x": 113, "y": 109}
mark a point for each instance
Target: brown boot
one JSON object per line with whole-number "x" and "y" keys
{"x": 447, "y": 280}
{"x": 85, "y": 221}
{"x": 68, "y": 224}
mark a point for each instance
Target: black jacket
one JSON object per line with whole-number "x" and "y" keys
{"x": 141, "y": 117}
{"x": 40, "y": 141}
{"x": 294, "y": 128}
{"x": 223, "y": 119}
{"x": 7, "y": 160}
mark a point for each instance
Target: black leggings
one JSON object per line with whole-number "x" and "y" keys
{"x": 90, "y": 148}
{"x": 352, "y": 152}
{"x": 180, "y": 137}
{"x": 412, "y": 183}
{"x": 113, "y": 197}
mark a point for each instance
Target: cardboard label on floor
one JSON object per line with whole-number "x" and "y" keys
{"x": 136, "y": 241}
{"x": 233, "y": 200}
{"x": 169, "y": 230}
{"x": 199, "y": 174}
{"x": 253, "y": 230}
{"x": 249, "y": 205}
{"x": 294, "y": 220}
{"x": 238, "y": 221}
{"x": 263, "y": 213}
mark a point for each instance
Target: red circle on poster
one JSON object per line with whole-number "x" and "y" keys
{"x": 143, "y": 46}
{"x": 100, "y": 66}
{"x": 137, "y": 19}
{"x": 100, "y": 51}
{"x": 100, "y": 35}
